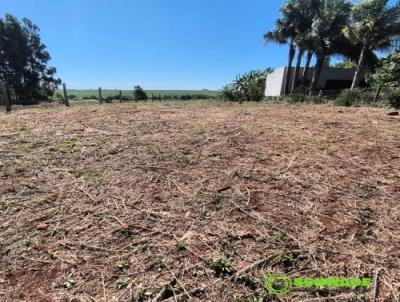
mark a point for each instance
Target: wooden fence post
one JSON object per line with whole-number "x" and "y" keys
{"x": 100, "y": 96}
{"x": 5, "y": 96}
{"x": 120, "y": 96}
{"x": 66, "y": 101}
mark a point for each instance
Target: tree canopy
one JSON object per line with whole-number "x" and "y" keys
{"x": 24, "y": 61}
{"x": 388, "y": 72}
{"x": 139, "y": 94}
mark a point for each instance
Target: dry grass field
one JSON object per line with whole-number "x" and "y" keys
{"x": 196, "y": 202}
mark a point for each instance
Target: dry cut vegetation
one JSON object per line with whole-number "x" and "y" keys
{"x": 195, "y": 202}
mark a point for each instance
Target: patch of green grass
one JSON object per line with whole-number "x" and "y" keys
{"x": 144, "y": 292}
{"x": 323, "y": 144}
{"x": 260, "y": 156}
{"x": 6, "y": 164}
{"x": 25, "y": 128}
{"x": 396, "y": 175}
{"x": 331, "y": 151}
{"x": 66, "y": 146}
{"x": 91, "y": 176}
{"x": 68, "y": 282}
{"x": 122, "y": 282}
{"x": 160, "y": 265}
{"x": 121, "y": 265}
{"x": 222, "y": 267}
{"x": 256, "y": 298}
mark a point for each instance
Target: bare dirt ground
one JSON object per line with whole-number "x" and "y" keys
{"x": 196, "y": 202}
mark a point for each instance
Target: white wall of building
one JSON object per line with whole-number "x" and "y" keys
{"x": 274, "y": 83}
{"x": 276, "y": 79}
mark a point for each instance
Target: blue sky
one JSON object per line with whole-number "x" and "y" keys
{"x": 158, "y": 44}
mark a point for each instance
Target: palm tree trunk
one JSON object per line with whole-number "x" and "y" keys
{"x": 317, "y": 72}
{"x": 360, "y": 67}
{"x": 307, "y": 67}
{"x": 297, "y": 68}
{"x": 292, "y": 52}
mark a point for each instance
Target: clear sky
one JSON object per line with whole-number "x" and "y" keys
{"x": 158, "y": 44}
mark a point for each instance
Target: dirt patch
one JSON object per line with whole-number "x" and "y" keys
{"x": 162, "y": 202}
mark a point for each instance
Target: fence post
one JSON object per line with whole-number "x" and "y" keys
{"x": 100, "y": 96}
{"x": 378, "y": 92}
{"x": 4, "y": 93}
{"x": 120, "y": 96}
{"x": 66, "y": 101}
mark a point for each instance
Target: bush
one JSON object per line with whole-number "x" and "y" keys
{"x": 139, "y": 94}
{"x": 394, "y": 99}
{"x": 247, "y": 87}
{"x": 358, "y": 97}
{"x": 316, "y": 100}
{"x": 124, "y": 98}
{"x": 89, "y": 97}
{"x": 349, "y": 98}
{"x": 297, "y": 97}
{"x": 110, "y": 99}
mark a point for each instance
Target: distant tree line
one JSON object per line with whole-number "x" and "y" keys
{"x": 24, "y": 62}
{"x": 139, "y": 94}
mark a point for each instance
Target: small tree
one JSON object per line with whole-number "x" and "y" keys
{"x": 388, "y": 73}
{"x": 139, "y": 94}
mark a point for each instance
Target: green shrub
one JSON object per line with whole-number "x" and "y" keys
{"x": 89, "y": 97}
{"x": 246, "y": 87}
{"x": 394, "y": 99}
{"x": 124, "y": 98}
{"x": 139, "y": 94}
{"x": 368, "y": 97}
{"x": 297, "y": 97}
{"x": 316, "y": 100}
{"x": 349, "y": 98}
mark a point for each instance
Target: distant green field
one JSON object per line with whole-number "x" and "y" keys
{"x": 113, "y": 92}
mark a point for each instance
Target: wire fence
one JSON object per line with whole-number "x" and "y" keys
{"x": 369, "y": 93}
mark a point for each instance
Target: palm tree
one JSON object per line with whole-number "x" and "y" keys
{"x": 374, "y": 26}
{"x": 301, "y": 14}
{"x": 283, "y": 34}
{"x": 326, "y": 34}
{"x": 304, "y": 77}
{"x": 293, "y": 28}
